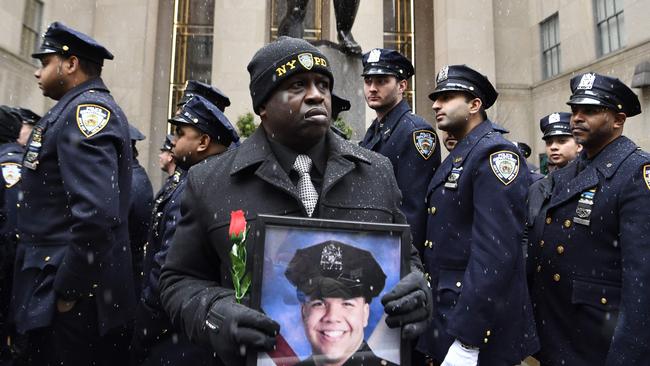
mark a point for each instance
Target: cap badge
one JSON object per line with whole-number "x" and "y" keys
{"x": 425, "y": 143}
{"x": 306, "y": 60}
{"x": 505, "y": 166}
{"x": 587, "y": 81}
{"x": 443, "y": 74}
{"x": 92, "y": 118}
{"x": 553, "y": 118}
{"x": 374, "y": 55}
{"x": 331, "y": 258}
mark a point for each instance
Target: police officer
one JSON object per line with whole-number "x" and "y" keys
{"x": 561, "y": 149}
{"x": 322, "y": 276}
{"x": 140, "y": 208}
{"x": 474, "y": 230}
{"x": 406, "y": 139}
{"x": 591, "y": 271}
{"x": 202, "y": 131}
{"x": 73, "y": 284}
{"x": 11, "y": 154}
{"x": 293, "y": 165}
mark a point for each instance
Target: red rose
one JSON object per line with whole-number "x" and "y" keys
{"x": 237, "y": 225}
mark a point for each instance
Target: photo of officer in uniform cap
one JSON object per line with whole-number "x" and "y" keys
{"x": 335, "y": 284}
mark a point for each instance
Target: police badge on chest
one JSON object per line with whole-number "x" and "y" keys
{"x": 585, "y": 207}
{"x": 453, "y": 177}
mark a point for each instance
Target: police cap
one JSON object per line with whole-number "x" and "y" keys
{"x": 524, "y": 148}
{"x": 335, "y": 269}
{"x": 463, "y": 78}
{"x": 28, "y": 116}
{"x": 10, "y": 124}
{"x": 382, "y": 61}
{"x": 339, "y": 105}
{"x": 596, "y": 89}
{"x": 207, "y": 91}
{"x": 205, "y": 116}
{"x": 66, "y": 41}
{"x": 168, "y": 144}
{"x": 135, "y": 134}
{"x": 556, "y": 124}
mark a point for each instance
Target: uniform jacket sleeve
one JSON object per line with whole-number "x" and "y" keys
{"x": 413, "y": 175}
{"x": 89, "y": 167}
{"x": 631, "y": 341}
{"x": 495, "y": 248}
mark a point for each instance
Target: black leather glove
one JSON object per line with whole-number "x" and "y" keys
{"x": 409, "y": 305}
{"x": 235, "y": 328}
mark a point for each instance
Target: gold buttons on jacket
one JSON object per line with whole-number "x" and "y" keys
{"x": 432, "y": 210}
{"x": 548, "y": 220}
{"x": 567, "y": 223}
{"x": 488, "y": 333}
{"x": 485, "y": 340}
{"x": 541, "y": 243}
{"x": 560, "y": 249}
{"x": 603, "y": 301}
{"x": 556, "y": 277}
{"x": 47, "y": 259}
{"x": 428, "y": 244}
{"x": 539, "y": 268}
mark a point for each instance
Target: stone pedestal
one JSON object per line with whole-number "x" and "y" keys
{"x": 348, "y": 84}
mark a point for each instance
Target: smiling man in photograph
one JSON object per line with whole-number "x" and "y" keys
{"x": 335, "y": 284}
{"x": 292, "y": 165}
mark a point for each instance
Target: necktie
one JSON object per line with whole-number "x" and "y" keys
{"x": 306, "y": 189}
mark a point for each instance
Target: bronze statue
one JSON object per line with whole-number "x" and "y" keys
{"x": 345, "y": 12}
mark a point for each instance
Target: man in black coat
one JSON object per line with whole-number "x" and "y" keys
{"x": 291, "y": 85}
{"x": 73, "y": 283}
{"x": 589, "y": 245}
{"x": 405, "y": 138}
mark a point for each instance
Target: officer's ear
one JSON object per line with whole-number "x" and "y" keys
{"x": 70, "y": 65}
{"x": 402, "y": 84}
{"x": 204, "y": 142}
{"x": 619, "y": 120}
{"x": 475, "y": 105}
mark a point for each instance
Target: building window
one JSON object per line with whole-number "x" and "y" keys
{"x": 32, "y": 19}
{"x": 550, "y": 46}
{"x": 192, "y": 46}
{"x": 312, "y": 24}
{"x": 610, "y": 25}
{"x": 398, "y": 35}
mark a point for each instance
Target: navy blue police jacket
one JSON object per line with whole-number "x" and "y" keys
{"x": 412, "y": 146}
{"x": 139, "y": 217}
{"x": 72, "y": 221}
{"x": 167, "y": 211}
{"x": 11, "y": 155}
{"x": 473, "y": 255}
{"x": 589, "y": 253}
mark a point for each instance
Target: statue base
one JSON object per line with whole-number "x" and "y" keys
{"x": 348, "y": 84}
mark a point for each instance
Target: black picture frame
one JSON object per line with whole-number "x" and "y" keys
{"x": 275, "y": 244}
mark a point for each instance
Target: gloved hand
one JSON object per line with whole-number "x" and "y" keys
{"x": 235, "y": 328}
{"x": 460, "y": 356}
{"x": 409, "y": 305}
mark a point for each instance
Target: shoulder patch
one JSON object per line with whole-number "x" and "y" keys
{"x": 92, "y": 118}
{"x": 646, "y": 175}
{"x": 505, "y": 165}
{"x": 11, "y": 174}
{"x": 425, "y": 142}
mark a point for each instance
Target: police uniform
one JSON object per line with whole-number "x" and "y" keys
{"x": 406, "y": 139}
{"x": 140, "y": 209}
{"x": 589, "y": 247}
{"x": 155, "y": 337}
{"x": 76, "y": 183}
{"x": 473, "y": 251}
{"x": 333, "y": 269}
{"x": 207, "y": 91}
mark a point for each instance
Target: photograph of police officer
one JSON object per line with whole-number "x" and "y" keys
{"x": 335, "y": 283}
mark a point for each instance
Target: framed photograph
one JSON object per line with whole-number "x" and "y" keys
{"x": 322, "y": 281}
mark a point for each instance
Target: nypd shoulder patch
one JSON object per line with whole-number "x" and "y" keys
{"x": 646, "y": 175}
{"x": 425, "y": 142}
{"x": 505, "y": 165}
{"x": 92, "y": 118}
{"x": 11, "y": 174}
